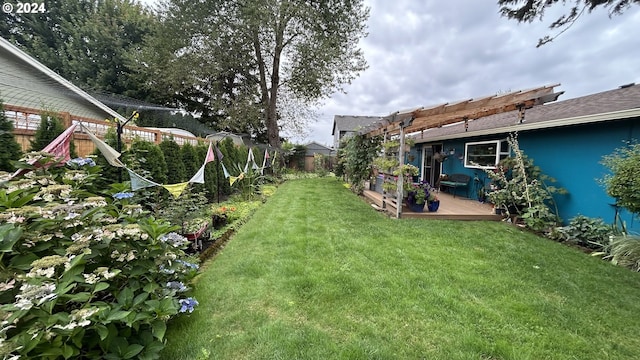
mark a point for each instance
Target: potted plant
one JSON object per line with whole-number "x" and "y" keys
{"x": 408, "y": 171}
{"x": 433, "y": 203}
{"x": 422, "y": 194}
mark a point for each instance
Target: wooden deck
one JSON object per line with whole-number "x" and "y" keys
{"x": 450, "y": 208}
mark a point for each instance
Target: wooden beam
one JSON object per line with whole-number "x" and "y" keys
{"x": 444, "y": 114}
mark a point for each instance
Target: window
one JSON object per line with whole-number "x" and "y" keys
{"x": 485, "y": 154}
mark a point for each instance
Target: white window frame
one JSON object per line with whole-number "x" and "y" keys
{"x": 499, "y": 154}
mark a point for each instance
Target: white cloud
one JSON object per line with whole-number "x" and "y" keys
{"x": 430, "y": 52}
{"x": 444, "y": 51}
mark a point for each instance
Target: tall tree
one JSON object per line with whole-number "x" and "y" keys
{"x": 249, "y": 52}
{"x": 529, "y": 10}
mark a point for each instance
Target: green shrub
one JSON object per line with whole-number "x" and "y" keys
{"x": 585, "y": 231}
{"x": 10, "y": 149}
{"x": 624, "y": 183}
{"x": 321, "y": 164}
{"x": 85, "y": 273}
{"x": 147, "y": 157}
{"x": 624, "y": 250}
{"x": 51, "y": 125}
{"x": 189, "y": 158}
{"x": 520, "y": 187}
{"x": 358, "y": 155}
{"x": 176, "y": 172}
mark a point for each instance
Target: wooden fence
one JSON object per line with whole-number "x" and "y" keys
{"x": 26, "y": 122}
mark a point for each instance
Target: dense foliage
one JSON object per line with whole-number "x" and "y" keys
{"x": 623, "y": 183}
{"x": 89, "y": 42}
{"x": 357, "y": 156}
{"x": 520, "y": 188}
{"x": 176, "y": 171}
{"x": 233, "y": 61}
{"x": 584, "y": 231}
{"x": 146, "y": 158}
{"x": 50, "y": 127}
{"x": 10, "y": 149}
{"x": 85, "y": 272}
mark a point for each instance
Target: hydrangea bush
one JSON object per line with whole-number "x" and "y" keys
{"x": 85, "y": 272}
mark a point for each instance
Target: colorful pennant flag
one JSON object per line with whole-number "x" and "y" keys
{"x": 219, "y": 153}
{"x": 210, "y": 157}
{"x": 138, "y": 182}
{"x": 233, "y": 179}
{"x": 264, "y": 161}
{"x": 199, "y": 176}
{"x": 176, "y": 189}
{"x": 59, "y": 148}
{"x": 109, "y": 153}
{"x": 224, "y": 169}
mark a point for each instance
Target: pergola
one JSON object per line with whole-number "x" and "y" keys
{"x": 423, "y": 118}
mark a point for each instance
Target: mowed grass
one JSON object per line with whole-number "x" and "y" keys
{"x": 318, "y": 274}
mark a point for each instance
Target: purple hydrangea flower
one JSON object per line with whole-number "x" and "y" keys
{"x": 188, "y": 304}
{"x": 176, "y": 285}
{"x": 123, "y": 195}
{"x": 79, "y": 162}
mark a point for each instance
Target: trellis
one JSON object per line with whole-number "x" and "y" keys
{"x": 416, "y": 120}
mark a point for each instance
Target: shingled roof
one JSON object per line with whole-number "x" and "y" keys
{"x": 620, "y": 103}
{"x": 352, "y": 122}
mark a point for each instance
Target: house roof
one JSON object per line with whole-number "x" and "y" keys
{"x": 620, "y": 103}
{"x": 23, "y": 88}
{"x": 317, "y": 146}
{"x": 352, "y": 122}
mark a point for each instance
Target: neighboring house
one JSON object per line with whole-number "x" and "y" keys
{"x": 566, "y": 139}
{"x": 314, "y": 148}
{"x": 27, "y": 88}
{"x": 28, "y": 84}
{"x": 317, "y": 148}
{"x": 346, "y": 125}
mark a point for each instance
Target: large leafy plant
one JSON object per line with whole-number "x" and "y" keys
{"x": 85, "y": 273}
{"x": 520, "y": 187}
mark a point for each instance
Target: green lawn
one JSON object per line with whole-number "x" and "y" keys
{"x": 318, "y": 274}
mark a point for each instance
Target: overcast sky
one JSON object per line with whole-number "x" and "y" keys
{"x": 424, "y": 53}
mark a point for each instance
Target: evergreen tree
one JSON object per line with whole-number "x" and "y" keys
{"x": 212, "y": 178}
{"x": 146, "y": 158}
{"x": 10, "y": 149}
{"x": 175, "y": 166}
{"x": 50, "y": 127}
{"x": 189, "y": 158}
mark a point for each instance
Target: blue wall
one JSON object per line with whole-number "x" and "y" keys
{"x": 572, "y": 156}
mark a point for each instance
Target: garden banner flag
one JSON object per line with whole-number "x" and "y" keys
{"x": 210, "y": 157}
{"x": 176, "y": 189}
{"x": 264, "y": 161}
{"x": 224, "y": 169}
{"x": 199, "y": 176}
{"x": 233, "y": 179}
{"x": 107, "y": 151}
{"x": 59, "y": 148}
{"x": 219, "y": 154}
{"x": 138, "y": 182}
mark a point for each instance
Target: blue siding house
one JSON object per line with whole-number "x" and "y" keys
{"x": 566, "y": 139}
